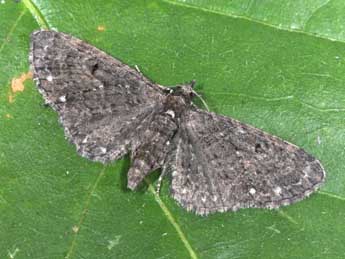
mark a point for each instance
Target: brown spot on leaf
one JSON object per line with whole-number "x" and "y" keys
{"x": 8, "y": 116}
{"x": 101, "y": 28}
{"x": 17, "y": 85}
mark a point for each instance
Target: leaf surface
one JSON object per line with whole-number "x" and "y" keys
{"x": 287, "y": 81}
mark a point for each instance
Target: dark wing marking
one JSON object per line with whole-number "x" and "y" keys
{"x": 221, "y": 164}
{"x": 102, "y": 103}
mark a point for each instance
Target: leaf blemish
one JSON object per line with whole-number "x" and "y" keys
{"x": 101, "y": 28}
{"x": 75, "y": 229}
{"x": 17, "y": 85}
{"x": 114, "y": 242}
{"x": 12, "y": 255}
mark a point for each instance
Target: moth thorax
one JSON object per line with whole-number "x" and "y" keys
{"x": 177, "y": 104}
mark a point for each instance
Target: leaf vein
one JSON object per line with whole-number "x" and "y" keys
{"x": 335, "y": 196}
{"x": 287, "y": 216}
{"x": 279, "y": 98}
{"x": 35, "y": 12}
{"x": 251, "y": 19}
{"x": 315, "y": 11}
{"x": 84, "y": 213}
{"x": 171, "y": 219}
{"x": 11, "y": 31}
{"x": 274, "y": 99}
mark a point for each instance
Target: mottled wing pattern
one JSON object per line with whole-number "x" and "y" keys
{"x": 102, "y": 103}
{"x": 221, "y": 164}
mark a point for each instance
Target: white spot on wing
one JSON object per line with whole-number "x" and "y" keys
{"x": 240, "y": 130}
{"x": 103, "y": 150}
{"x": 277, "y": 190}
{"x": 50, "y": 78}
{"x": 252, "y": 191}
{"x": 307, "y": 171}
{"x": 62, "y": 98}
{"x": 85, "y": 140}
{"x": 171, "y": 113}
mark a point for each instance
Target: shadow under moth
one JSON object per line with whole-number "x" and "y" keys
{"x": 214, "y": 163}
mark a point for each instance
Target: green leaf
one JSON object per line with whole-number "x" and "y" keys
{"x": 272, "y": 64}
{"x": 323, "y": 18}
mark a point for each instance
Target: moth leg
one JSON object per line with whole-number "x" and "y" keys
{"x": 160, "y": 179}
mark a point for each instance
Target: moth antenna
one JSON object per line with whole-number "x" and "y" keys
{"x": 192, "y": 83}
{"x": 137, "y": 69}
{"x": 202, "y": 100}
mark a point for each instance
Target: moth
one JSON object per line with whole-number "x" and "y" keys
{"x": 214, "y": 163}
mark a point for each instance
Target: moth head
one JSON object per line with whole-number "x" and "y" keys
{"x": 185, "y": 90}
